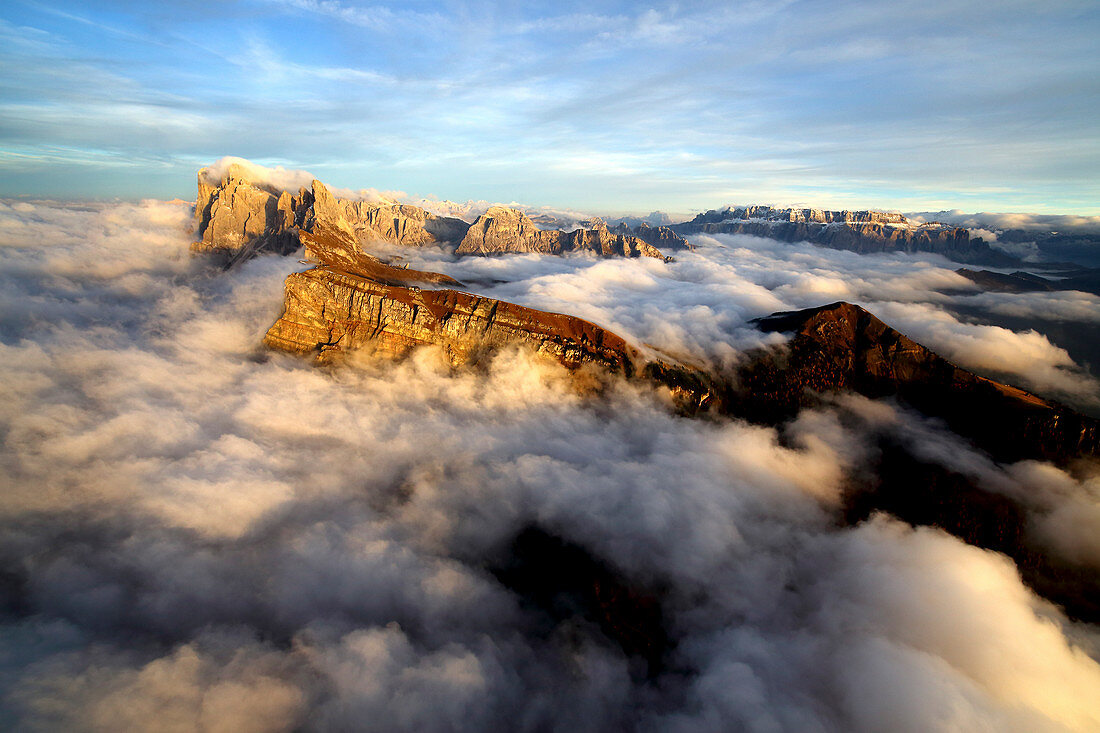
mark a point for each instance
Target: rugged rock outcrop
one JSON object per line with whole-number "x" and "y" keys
{"x": 502, "y": 230}
{"x": 331, "y": 311}
{"x": 389, "y": 222}
{"x": 661, "y": 237}
{"x": 843, "y": 347}
{"x": 814, "y": 216}
{"x": 352, "y": 300}
{"x": 237, "y": 217}
{"x": 865, "y": 232}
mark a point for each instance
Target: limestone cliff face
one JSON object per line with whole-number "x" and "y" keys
{"x": 329, "y": 312}
{"x": 238, "y": 217}
{"x": 865, "y": 232}
{"x": 352, "y": 300}
{"x": 815, "y": 216}
{"x": 502, "y": 230}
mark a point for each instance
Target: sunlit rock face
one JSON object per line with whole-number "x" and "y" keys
{"x": 859, "y": 231}
{"x": 353, "y": 301}
{"x": 502, "y": 230}
{"x": 330, "y": 312}
{"x": 237, "y": 217}
{"x": 388, "y": 222}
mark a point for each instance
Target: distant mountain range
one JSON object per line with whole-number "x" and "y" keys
{"x": 865, "y": 232}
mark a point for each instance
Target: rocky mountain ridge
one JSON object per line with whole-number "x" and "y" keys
{"x": 237, "y": 218}
{"x": 351, "y": 300}
{"x": 865, "y": 232}
{"x": 500, "y": 230}
{"x": 661, "y": 237}
{"x": 841, "y": 347}
{"x": 1084, "y": 279}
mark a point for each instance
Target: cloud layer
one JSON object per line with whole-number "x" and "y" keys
{"x": 199, "y": 535}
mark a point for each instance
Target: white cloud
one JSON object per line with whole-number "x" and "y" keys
{"x": 208, "y": 535}
{"x": 1027, "y": 357}
{"x": 1002, "y": 221}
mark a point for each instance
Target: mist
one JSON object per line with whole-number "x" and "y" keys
{"x": 202, "y": 535}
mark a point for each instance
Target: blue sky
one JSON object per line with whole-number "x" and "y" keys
{"x": 608, "y": 107}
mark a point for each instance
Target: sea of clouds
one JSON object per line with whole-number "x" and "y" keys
{"x": 199, "y": 535}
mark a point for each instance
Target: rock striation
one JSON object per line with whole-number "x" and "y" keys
{"x": 351, "y": 300}
{"x": 503, "y": 230}
{"x": 865, "y": 232}
{"x": 236, "y": 217}
{"x": 331, "y": 311}
{"x": 388, "y": 222}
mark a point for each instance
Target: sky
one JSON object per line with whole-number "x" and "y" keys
{"x": 599, "y": 106}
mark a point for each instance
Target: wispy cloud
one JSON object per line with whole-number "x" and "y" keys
{"x": 375, "y": 17}
{"x": 847, "y": 105}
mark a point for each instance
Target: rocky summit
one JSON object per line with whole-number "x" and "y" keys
{"x": 237, "y": 217}
{"x": 661, "y": 237}
{"x": 501, "y": 230}
{"x": 842, "y": 347}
